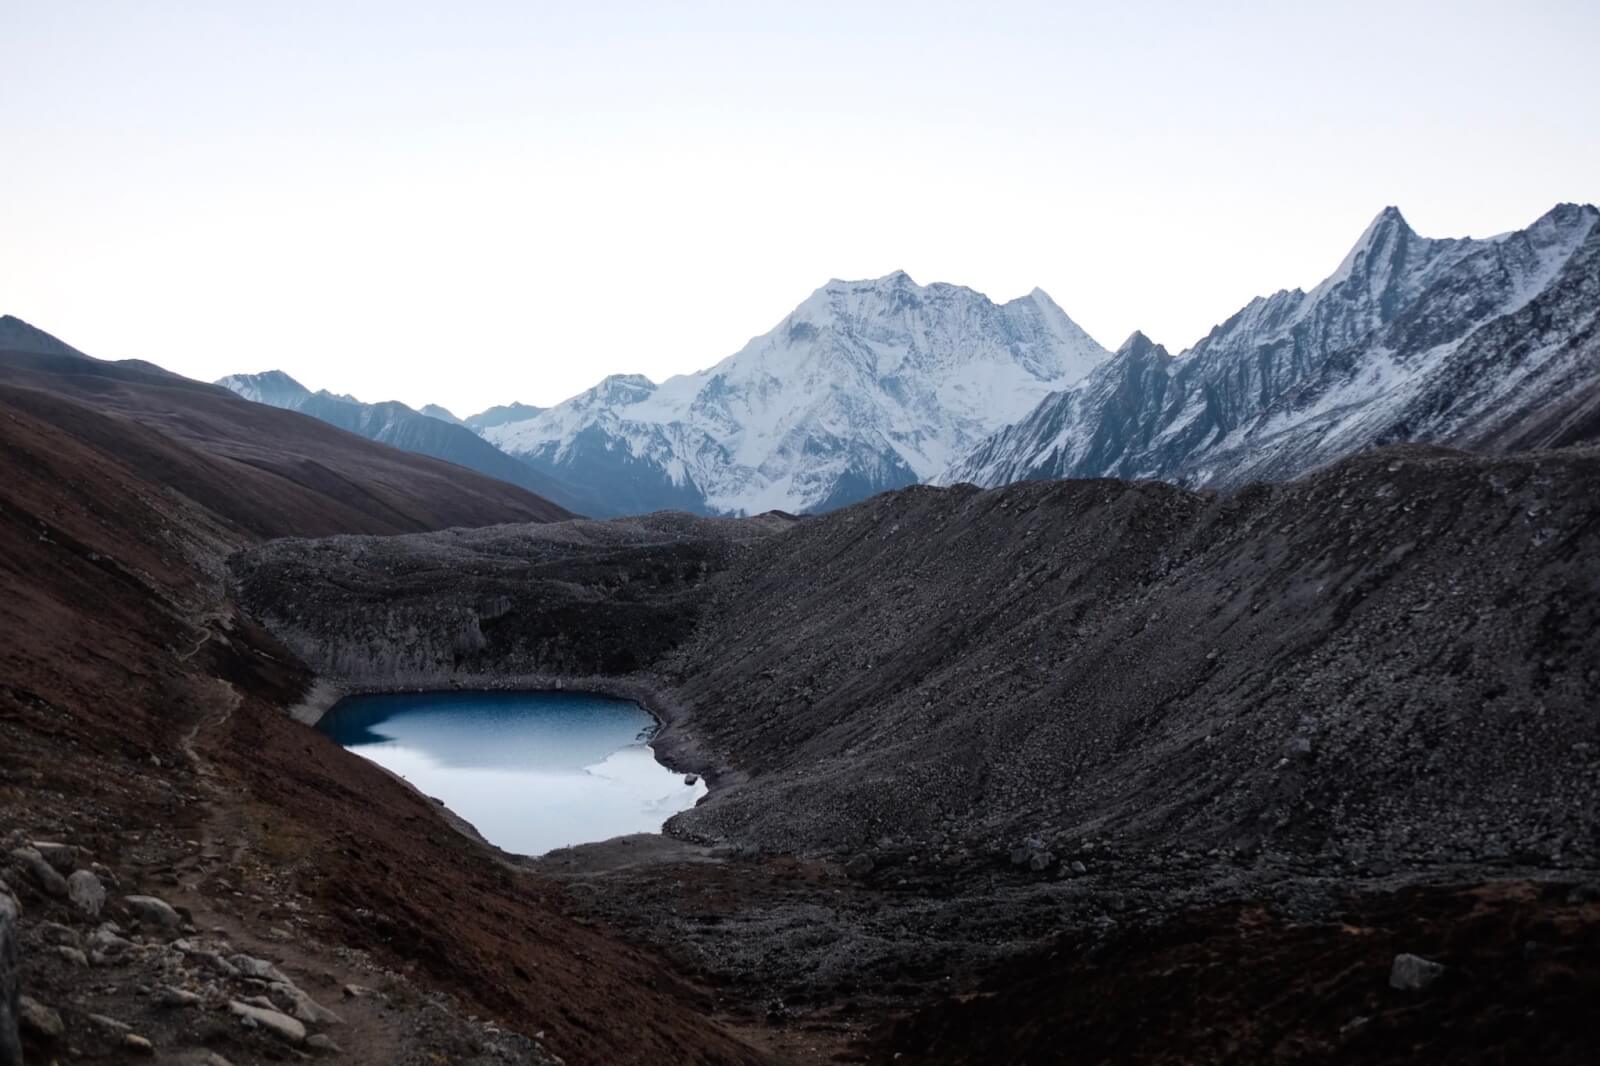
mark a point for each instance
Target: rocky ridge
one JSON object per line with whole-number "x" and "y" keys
{"x": 1481, "y": 344}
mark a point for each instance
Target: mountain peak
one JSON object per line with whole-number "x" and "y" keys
{"x": 1382, "y": 235}
{"x": 1388, "y": 222}
{"x": 1137, "y": 344}
{"x": 622, "y": 388}
{"x": 443, "y": 414}
{"x": 18, "y": 335}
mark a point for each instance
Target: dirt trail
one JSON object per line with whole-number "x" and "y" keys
{"x": 369, "y": 1032}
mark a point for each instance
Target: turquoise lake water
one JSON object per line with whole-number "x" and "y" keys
{"x": 531, "y": 771}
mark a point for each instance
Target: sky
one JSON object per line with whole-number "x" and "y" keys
{"x": 474, "y": 203}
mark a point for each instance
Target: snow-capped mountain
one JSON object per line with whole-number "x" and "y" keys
{"x": 866, "y": 386}
{"x": 1473, "y": 343}
{"x": 271, "y": 387}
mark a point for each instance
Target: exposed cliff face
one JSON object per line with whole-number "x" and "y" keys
{"x": 1471, "y": 343}
{"x": 575, "y": 599}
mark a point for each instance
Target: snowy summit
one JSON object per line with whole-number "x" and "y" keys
{"x": 866, "y": 386}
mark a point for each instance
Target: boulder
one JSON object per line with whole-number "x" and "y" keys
{"x": 44, "y": 875}
{"x": 10, "y": 984}
{"x": 260, "y": 969}
{"x": 86, "y": 892}
{"x": 305, "y": 1008}
{"x": 691, "y": 779}
{"x": 56, "y": 933}
{"x": 1413, "y": 973}
{"x": 177, "y": 997}
{"x": 64, "y": 857}
{"x": 323, "y": 1044}
{"x": 152, "y": 911}
{"x": 105, "y": 942}
{"x": 278, "y": 1024}
{"x": 38, "y": 1019}
{"x": 72, "y": 955}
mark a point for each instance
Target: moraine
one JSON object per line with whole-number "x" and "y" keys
{"x": 532, "y": 771}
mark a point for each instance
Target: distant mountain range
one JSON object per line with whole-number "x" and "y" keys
{"x": 143, "y": 449}
{"x": 1478, "y": 344}
{"x": 441, "y": 435}
{"x": 871, "y": 385}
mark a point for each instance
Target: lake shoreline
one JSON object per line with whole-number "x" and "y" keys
{"x": 526, "y": 770}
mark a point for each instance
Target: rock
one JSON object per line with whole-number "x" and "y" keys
{"x": 152, "y": 911}
{"x": 859, "y": 866}
{"x": 64, "y": 857}
{"x": 43, "y": 874}
{"x": 38, "y": 1019}
{"x": 1040, "y": 861}
{"x": 104, "y": 942}
{"x": 110, "y": 1025}
{"x": 56, "y": 933}
{"x": 216, "y": 963}
{"x": 1413, "y": 973}
{"x": 260, "y": 969}
{"x": 72, "y": 955}
{"x": 356, "y": 991}
{"x": 307, "y": 1009}
{"x": 177, "y": 997}
{"x": 278, "y": 1024}
{"x": 138, "y": 1044}
{"x": 691, "y": 779}
{"x": 86, "y": 892}
{"x": 1078, "y": 868}
{"x": 323, "y": 1044}
{"x": 10, "y": 984}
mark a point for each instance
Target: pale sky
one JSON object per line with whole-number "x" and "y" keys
{"x": 471, "y": 203}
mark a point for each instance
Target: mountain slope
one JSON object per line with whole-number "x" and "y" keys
{"x": 399, "y": 426}
{"x": 1474, "y": 343}
{"x": 141, "y": 713}
{"x": 867, "y": 385}
{"x": 255, "y": 468}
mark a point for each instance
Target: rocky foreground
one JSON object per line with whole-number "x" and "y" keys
{"x": 1077, "y": 723}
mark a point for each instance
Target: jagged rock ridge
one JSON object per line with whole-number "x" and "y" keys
{"x": 1487, "y": 344}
